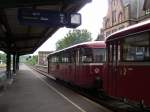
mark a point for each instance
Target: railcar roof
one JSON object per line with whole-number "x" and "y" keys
{"x": 93, "y": 44}
{"x": 140, "y": 27}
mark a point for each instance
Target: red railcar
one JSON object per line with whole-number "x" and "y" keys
{"x": 81, "y": 64}
{"x": 128, "y": 63}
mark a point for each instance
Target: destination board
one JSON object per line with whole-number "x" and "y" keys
{"x": 49, "y": 18}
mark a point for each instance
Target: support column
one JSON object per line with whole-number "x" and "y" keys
{"x": 17, "y": 62}
{"x": 14, "y": 63}
{"x": 8, "y": 68}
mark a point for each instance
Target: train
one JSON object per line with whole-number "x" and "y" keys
{"x": 80, "y": 65}
{"x": 128, "y": 63}
{"x": 118, "y": 66}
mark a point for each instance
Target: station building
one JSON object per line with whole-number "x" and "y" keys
{"x": 42, "y": 57}
{"x": 123, "y": 13}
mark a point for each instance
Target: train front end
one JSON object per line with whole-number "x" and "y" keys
{"x": 91, "y": 65}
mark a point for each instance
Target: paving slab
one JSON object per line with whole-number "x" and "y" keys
{"x": 29, "y": 94}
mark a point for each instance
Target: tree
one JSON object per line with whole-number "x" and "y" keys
{"x": 3, "y": 57}
{"x": 73, "y": 37}
{"x": 32, "y": 60}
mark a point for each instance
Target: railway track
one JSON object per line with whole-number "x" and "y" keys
{"x": 116, "y": 105}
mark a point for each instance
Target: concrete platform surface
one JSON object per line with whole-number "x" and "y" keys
{"x": 30, "y": 93}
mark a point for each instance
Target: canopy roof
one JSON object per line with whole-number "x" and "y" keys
{"x": 25, "y": 39}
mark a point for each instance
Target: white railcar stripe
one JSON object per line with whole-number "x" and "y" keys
{"x": 82, "y": 64}
{"x": 91, "y": 64}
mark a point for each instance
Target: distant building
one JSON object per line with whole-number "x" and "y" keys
{"x": 123, "y": 13}
{"x": 42, "y": 57}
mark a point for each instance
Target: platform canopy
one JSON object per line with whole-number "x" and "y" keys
{"x": 24, "y": 39}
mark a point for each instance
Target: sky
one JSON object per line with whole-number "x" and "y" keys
{"x": 92, "y": 18}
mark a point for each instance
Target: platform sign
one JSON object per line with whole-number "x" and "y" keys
{"x": 32, "y": 17}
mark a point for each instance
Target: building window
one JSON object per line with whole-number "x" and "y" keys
{"x": 121, "y": 27}
{"x": 108, "y": 33}
{"x": 120, "y": 18}
{"x": 114, "y": 30}
{"x": 107, "y": 24}
{"x": 113, "y": 16}
{"x": 113, "y": 2}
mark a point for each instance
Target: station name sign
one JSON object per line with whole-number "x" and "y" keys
{"x": 28, "y": 16}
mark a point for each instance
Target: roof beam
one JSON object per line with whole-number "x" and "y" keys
{"x": 25, "y": 38}
{"x": 25, "y": 3}
{"x": 21, "y": 49}
{"x": 4, "y": 23}
{"x": 19, "y": 38}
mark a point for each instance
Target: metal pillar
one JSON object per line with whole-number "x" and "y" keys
{"x": 14, "y": 63}
{"x": 17, "y": 62}
{"x": 8, "y": 68}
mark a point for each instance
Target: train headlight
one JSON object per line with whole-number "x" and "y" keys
{"x": 96, "y": 70}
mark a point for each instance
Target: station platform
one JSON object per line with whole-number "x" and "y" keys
{"x": 33, "y": 92}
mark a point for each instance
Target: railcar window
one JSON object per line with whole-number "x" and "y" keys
{"x": 55, "y": 59}
{"x": 66, "y": 57}
{"x": 110, "y": 53}
{"x": 99, "y": 55}
{"x": 85, "y": 55}
{"x": 137, "y": 47}
{"x": 72, "y": 56}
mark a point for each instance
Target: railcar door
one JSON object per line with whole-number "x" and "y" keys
{"x": 134, "y": 77}
{"x": 84, "y": 78}
{"x": 112, "y": 71}
{"x": 75, "y": 65}
{"x": 72, "y": 66}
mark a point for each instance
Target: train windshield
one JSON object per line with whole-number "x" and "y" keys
{"x": 92, "y": 55}
{"x": 137, "y": 47}
{"x": 85, "y": 55}
{"x": 99, "y": 55}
